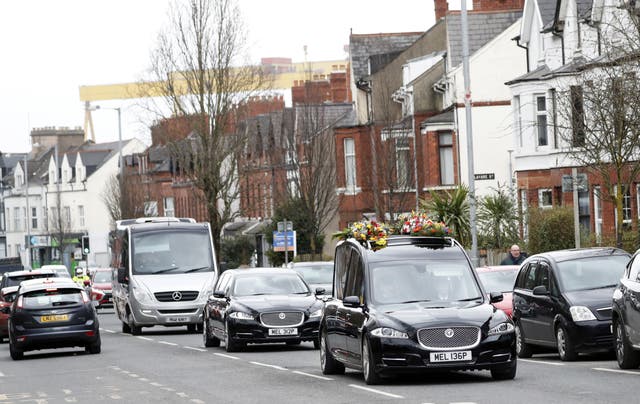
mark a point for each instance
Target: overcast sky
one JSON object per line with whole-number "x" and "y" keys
{"x": 50, "y": 48}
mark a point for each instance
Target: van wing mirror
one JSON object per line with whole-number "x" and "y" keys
{"x": 495, "y": 297}
{"x": 219, "y": 294}
{"x": 320, "y": 291}
{"x": 123, "y": 275}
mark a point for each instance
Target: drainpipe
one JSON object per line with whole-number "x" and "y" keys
{"x": 526, "y": 48}
{"x": 555, "y": 33}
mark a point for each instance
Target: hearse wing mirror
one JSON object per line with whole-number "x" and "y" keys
{"x": 351, "y": 301}
{"x": 5, "y": 309}
{"x": 320, "y": 291}
{"x": 540, "y": 291}
{"x": 123, "y": 275}
{"x": 495, "y": 297}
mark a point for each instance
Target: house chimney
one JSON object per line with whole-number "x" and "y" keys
{"x": 497, "y": 5}
{"x": 441, "y": 7}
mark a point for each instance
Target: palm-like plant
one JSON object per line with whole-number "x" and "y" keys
{"x": 451, "y": 207}
{"x": 498, "y": 219}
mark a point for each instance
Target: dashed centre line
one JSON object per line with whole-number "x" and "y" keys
{"x": 542, "y": 362}
{"x": 384, "y": 393}
{"x": 194, "y": 348}
{"x": 167, "y": 343}
{"x": 268, "y": 366}
{"x": 626, "y": 372}
{"x": 311, "y": 375}
{"x": 226, "y": 356}
{"x": 145, "y": 338}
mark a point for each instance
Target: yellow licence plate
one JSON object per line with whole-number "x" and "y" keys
{"x": 57, "y": 317}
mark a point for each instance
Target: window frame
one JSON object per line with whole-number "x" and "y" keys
{"x": 445, "y": 149}
{"x": 350, "y": 165}
{"x": 542, "y": 128}
{"x": 541, "y": 199}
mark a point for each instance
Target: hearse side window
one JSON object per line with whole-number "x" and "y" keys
{"x": 223, "y": 283}
{"x": 530, "y": 279}
{"x": 124, "y": 259}
{"x": 341, "y": 267}
{"x": 355, "y": 277}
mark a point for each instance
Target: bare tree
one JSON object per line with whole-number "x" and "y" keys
{"x": 124, "y": 199}
{"x": 597, "y": 112}
{"x": 200, "y": 73}
{"x": 311, "y": 168}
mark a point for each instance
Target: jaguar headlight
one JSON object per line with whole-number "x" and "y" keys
{"x": 241, "y": 315}
{"x": 315, "y": 314}
{"x": 387, "y": 332}
{"x": 502, "y": 328}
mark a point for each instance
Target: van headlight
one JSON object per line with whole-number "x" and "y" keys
{"x": 142, "y": 295}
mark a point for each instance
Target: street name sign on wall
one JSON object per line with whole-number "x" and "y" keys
{"x": 486, "y": 176}
{"x": 279, "y": 239}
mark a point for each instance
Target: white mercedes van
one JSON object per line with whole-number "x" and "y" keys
{"x": 165, "y": 269}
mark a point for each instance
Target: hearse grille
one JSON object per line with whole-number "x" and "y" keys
{"x": 177, "y": 296}
{"x": 282, "y": 318}
{"x": 449, "y": 337}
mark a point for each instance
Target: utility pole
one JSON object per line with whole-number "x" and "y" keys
{"x": 467, "y": 107}
{"x": 26, "y": 213}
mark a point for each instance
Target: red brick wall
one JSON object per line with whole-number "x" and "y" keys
{"x": 441, "y": 6}
{"x": 335, "y": 89}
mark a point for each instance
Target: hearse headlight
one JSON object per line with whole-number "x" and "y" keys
{"x": 314, "y": 314}
{"x": 502, "y": 328}
{"x": 387, "y": 332}
{"x": 581, "y": 313}
{"x": 241, "y": 315}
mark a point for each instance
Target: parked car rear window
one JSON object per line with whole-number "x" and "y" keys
{"x": 45, "y": 299}
{"x": 592, "y": 272}
{"x": 15, "y": 280}
{"x": 498, "y": 281}
{"x": 103, "y": 277}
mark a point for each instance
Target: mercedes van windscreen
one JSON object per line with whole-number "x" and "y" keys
{"x": 171, "y": 252}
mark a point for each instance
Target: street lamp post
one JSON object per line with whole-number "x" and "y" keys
{"x": 26, "y": 214}
{"x": 120, "y": 163}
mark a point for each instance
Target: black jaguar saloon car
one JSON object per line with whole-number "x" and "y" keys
{"x": 415, "y": 305}
{"x": 261, "y": 305}
{"x": 52, "y": 313}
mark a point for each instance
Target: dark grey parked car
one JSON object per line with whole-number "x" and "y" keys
{"x": 562, "y": 300}
{"x": 626, "y": 315}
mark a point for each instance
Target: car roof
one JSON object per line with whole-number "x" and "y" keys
{"x": 575, "y": 253}
{"x": 311, "y": 263}
{"x": 497, "y": 268}
{"x": 139, "y": 227}
{"x": 35, "y": 271}
{"x": 260, "y": 270}
{"x": 53, "y": 266}
{"x": 44, "y": 283}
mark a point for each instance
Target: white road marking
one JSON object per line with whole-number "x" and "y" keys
{"x": 115, "y": 397}
{"x": 133, "y": 375}
{"x": 155, "y": 384}
{"x": 462, "y": 402}
{"x": 143, "y": 379}
{"x": 195, "y": 400}
{"x": 626, "y": 372}
{"x": 268, "y": 366}
{"x": 145, "y": 338}
{"x": 167, "y": 343}
{"x": 110, "y": 331}
{"x": 70, "y": 399}
{"x": 195, "y": 349}
{"x": 384, "y": 393}
{"x": 1, "y": 374}
{"x": 183, "y": 395}
{"x": 541, "y": 362}
{"x": 168, "y": 389}
{"x": 226, "y": 356}
{"x": 311, "y": 375}
{"x": 65, "y": 391}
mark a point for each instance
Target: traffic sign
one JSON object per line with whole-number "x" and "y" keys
{"x": 279, "y": 241}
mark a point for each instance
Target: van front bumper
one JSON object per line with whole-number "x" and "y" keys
{"x": 167, "y": 315}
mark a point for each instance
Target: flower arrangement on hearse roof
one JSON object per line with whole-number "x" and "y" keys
{"x": 374, "y": 234}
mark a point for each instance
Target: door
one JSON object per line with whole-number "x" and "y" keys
{"x": 335, "y": 312}
{"x": 523, "y": 299}
{"x": 543, "y": 306}
{"x": 631, "y": 302}
{"x": 120, "y": 291}
{"x": 354, "y": 317}
{"x": 218, "y": 306}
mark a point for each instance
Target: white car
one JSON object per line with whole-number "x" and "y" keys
{"x": 62, "y": 270}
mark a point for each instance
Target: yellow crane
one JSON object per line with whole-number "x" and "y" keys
{"x": 285, "y": 76}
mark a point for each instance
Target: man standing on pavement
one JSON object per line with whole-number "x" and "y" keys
{"x": 514, "y": 256}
